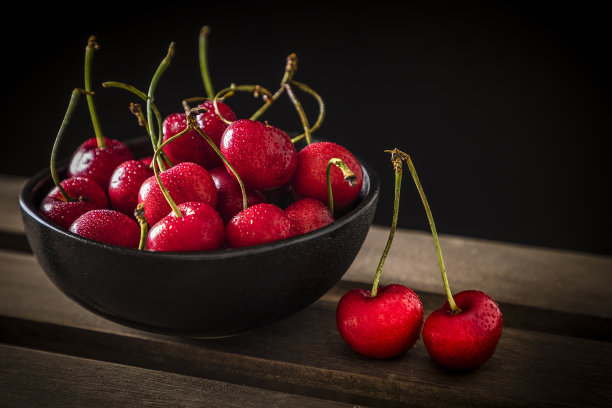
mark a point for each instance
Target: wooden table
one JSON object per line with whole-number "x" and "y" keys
{"x": 555, "y": 349}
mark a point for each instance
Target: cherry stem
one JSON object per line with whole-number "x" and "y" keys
{"x": 290, "y": 68}
{"x": 229, "y": 91}
{"x": 92, "y": 46}
{"x": 74, "y": 99}
{"x": 136, "y": 109}
{"x": 158, "y": 73}
{"x": 397, "y": 165}
{"x": 307, "y": 89}
{"x": 451, "y": 302}
{"x": 192, "y": 123}
{"x": 301, "y": 113}
{"x": 203, "y": 51}
{"x": 186, "y": 102}
{"x": 348, "y": 175}
{"x": 139, "y": 213}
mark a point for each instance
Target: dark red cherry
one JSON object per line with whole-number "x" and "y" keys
{"x": 191, "y": 147}
{"x": 310, "y": 178}
{"x": 185, "y": 182}
{"x": 256, "y": 225}
{"x": 308, "y": 214}
{"x": 96, "y": 163}
{"x": 229, "y": 195}
{"x": 125, "y": 183}
{"x": 263, "y": 155}
{"x": 199, "y": 229}
{"x": 88, "y": 196}
{"x": 108, "y": 226}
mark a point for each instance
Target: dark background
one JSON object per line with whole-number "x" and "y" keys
{"x": 503, "y": 106}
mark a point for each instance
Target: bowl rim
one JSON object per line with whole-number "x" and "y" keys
{"x": 43, "y": 176}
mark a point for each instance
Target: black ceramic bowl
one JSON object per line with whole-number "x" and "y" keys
{"x": 204, "y": 294}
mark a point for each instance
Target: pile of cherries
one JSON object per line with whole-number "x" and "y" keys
{"x": 213, "y": 181}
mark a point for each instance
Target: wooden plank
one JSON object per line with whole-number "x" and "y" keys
{"x": 36, "y": 378}
{"x": 10, "y": 218}
{"x": 304, "y": 355}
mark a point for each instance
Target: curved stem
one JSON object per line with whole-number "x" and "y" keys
{"x": 307, "y": 89}
{"x": 203, "y": 51}
{"x": 290, "y": 68}
{"x": 454, "y": 308}
{"x": 139, "y": 213}
{"x": 92, "y": 46}
{"x": 229, "y": 91}
{"x": 301, "y": 113}
{"x": 74, "y": 99}
{"x": 186, "y": 102}
{"x": 397, "y": 165}
{"x": 349, "y": 177}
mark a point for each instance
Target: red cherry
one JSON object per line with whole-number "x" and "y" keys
{"x": 199, "y": 229}
{"x": 108, "y": 226}
{"x": 88, "y": 196}
{"x": 191, "y": 147}
{"x": 310, "y": 178}
{"x": 467, "y": 339}
{"x": 185, "y": 182}
{"x": 263, "y": 155}
{"x": 229, "y": 195}
{"x": 308, "y": 214}
{"x": 125, "y": 183}
{"x": 256, "y": 225}
{"x": 383, "y": 326}
{"x": 96, "y": 163}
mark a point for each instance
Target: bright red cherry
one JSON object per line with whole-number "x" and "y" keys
{"x": 185, "y": 182}
{"x": 229, "y": 195}
{"x": 308, "y": 214}
{"x": 87, "y": 194}
{"x": 464, "y": 340}
{"x": 310, "y": 178}
{"x": 199, "y": 229}
{"x": 191, "y": 147}
{"x": 97, "y": 163}
{"x": 263, "y": 155}
{"x": 125, "y": 183}
{"x": 108, "y": 226}
{"x": 256, "y": 225}
{"x": 383, "y": 326}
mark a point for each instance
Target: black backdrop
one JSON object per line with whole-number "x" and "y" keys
{"x": 503, "y": 106}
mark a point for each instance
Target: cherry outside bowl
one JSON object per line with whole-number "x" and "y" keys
{"x": 204, "y": 294}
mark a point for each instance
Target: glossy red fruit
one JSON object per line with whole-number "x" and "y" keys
{"x": 256, "y": 225}
{"x": 229, "y": 195}
{"x": 185, "y": 182}
{"x": 108, "y": 226}
{"x": 465, "y": 340}
{"x": 88, "y": 194}
{"x": 90, "y": 161}
{"x": 383, "y": 326}
{"x": 191, "y": 147}
{"x": 263, "y": 155}
{"x": 308, "y": 214}
{"x": 310, "y": 179}
{"x": 125, "y": 183}
{"x": 199, "y": 229}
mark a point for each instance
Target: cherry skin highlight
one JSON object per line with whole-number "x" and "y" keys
{"x": 310, "y": 178}
{"x": 256, "y": 225}
{"x": 263, "y": 155}
{"x": 108, "y": 226}
{"x": 98, "y": 164}
{"x": 185, "y": 182}
{"x": 383, "y": 326}
{"x": 199, "y": 229}
{"x": 308, "y": 214}
{"x": 465, "y": 340}
{"x": 125, "y": 183}
{"x": 88, "y": 196}
{"x": 192, "y": 147}
{"x": 229, "y": 195}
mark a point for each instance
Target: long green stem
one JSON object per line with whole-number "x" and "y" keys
{"x": 92, "y": 46}
{"x": 397, "y": 165}
{"x": 454, "y": 308}
{"x": 290, "y": 68}
{"x": 74, "y": 99}
{"x": 203, "y": 51}
{"x": 225, "y": 92}
{"x": 348, "y": 175}
{"x": 139, "y": 213}
{"x": 301, "y": 113}
{"x": 307, "y": 89}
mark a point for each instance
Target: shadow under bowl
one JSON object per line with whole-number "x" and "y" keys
{"x": 197, "y": 294}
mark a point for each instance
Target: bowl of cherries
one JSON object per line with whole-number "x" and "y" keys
{"x": 211, "y": 226}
